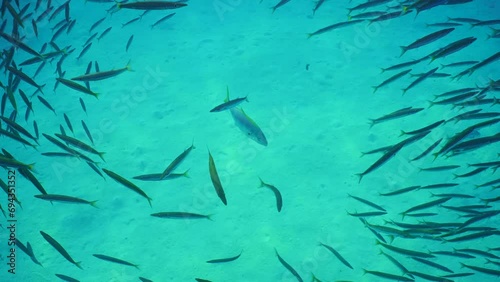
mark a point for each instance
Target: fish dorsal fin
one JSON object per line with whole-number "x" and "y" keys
{"x": 30, "y": 250}
{"x": 227, "y": 95}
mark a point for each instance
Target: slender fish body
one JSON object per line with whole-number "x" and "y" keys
{"x": 127, "y": 184}
{"x": 60, "y": 249}
{"x": 214, "y": 176}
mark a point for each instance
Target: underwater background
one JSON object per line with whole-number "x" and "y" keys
{"x": 312, "y": 99}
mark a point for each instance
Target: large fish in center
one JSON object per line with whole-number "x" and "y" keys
{"x": 245, "y": 123}
{"x": 248, "y": 126}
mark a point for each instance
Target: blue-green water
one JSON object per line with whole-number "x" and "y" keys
{"x": 312, "y": 98}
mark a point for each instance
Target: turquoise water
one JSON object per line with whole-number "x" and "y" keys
{"x": 312, "y": 99}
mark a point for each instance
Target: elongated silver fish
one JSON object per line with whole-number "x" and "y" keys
{"x": 181, "y": 215}
{"x": 115, "y": 260}
{"x": 127, "y": 184}
{"x": 151, "y": 5}
{"x": 100, "y": 75}
{"x": 215, "y": 179}
{"x": 65, "y": 199}
{"x": 277, "y": 194}
{"x": 228, "y": 104}
{"x": 60, "y": 249}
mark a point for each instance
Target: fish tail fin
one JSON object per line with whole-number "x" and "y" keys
{"x": 309, "y": 35}
{"x": 78, "y": 264}
{"x": 149, "y": 201}
{"x": 128, "y": 67}
{"x": 192, "y": 143}
{"x": 209, "y": 217}
{"x": 137, "y": 266}
{"x": 435, "y": 156}
{"x": 402, "y": 133}
{"x": 96, "y": 95}
{"x": 495, "y": 101}
{"x": 375, "y": 88}
{"x": 31, "y": 167}
{"x": 476, "y": 186}
{"x": 491, "y": 82}
{"x": 416, "y": 15}
{"x": 382, "y": 70}
{"x": 349, "y": 17}
{"x": 431, "y": 103}
{"x": 93, "y": 203}
{"x": 41, "y": 87}
{"x": 360, "y": 175}
{"x": 365, "y": 271}
{"x": 403, "y": 50}
{"x": 262, "y": 184}
{"x": 404, "y": 91}
{"x": 101, "y": 155}
{"x": 186, "y": 174}
{"x": 455, "y": 176}
{"x": 371, "y": 123}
